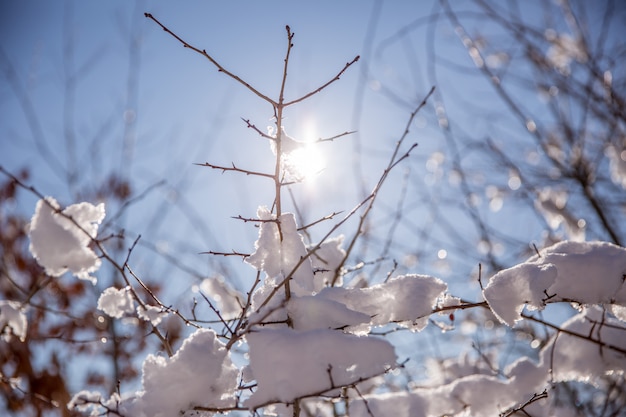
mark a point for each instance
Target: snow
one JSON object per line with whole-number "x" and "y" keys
{"x": 315, "y": 312}
{"x": 12, "y": 320}
{"x": 152, "y": 314}
{"x": 581, "y": 272}
{"x": 575, "y": 358}
{"x": 328, "y": 346}
{"x": 85, "y": 400}
{"x": 325, "y": 261}
{"x": 287, "y": 143}
{"x": 116, "y": 303}
{"x": 406, "y": 299}
{"x": 509, "y": 290}
{"x": 201, "y": 373}
{"x": 299, "y": 160}
{"x": 566, "y": 357}
{"x": 58, "y": 244}
{"x": 463, "y": 396}
{"x": 288, "y": 364}
{"x": 278, "y": 252}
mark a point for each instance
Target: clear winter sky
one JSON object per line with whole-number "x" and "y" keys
{"x": 71, "y": 61}
{"x": 73, "y": 93}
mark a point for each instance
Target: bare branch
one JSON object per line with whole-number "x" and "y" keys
{"x": 204, "y": 53}
{"x": 335, "y": 137}
{"x": 304, "y": 97}
{"x": 236, "y": 169}
{"x": 256, "y": 129}
{"x": 232, "y": 253}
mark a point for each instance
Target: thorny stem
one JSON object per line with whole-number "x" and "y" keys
{"x": 393, "y": 161}
{"x": 336, "y": 78}
{"x": 278, "y": 109}
{"x": 233, "y": 167}
{"x": 204, "y": 53}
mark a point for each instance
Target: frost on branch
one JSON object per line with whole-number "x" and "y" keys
{"x": 12, "y": 320}
{"x": 58, "y": 244}
{"x": 201, "y": 373}
{"x": 580, "y": 272}
{"x": 289, "y": 364}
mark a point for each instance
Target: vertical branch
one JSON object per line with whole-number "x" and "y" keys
{"x": 278, "y": 109}
{"x": 279, "y": 133}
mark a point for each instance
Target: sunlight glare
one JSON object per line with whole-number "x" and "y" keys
{"x": 304, "y": 163}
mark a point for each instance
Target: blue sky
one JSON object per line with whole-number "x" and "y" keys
{"x": 185, "y": 110}
{"x": 179, "y": 111}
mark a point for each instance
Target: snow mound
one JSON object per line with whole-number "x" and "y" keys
{"x": 279, "y": 251}
{"x": 116, "y": 303}
{"x": 580, "y": 272}
{"x": 201, "y": 373}
{"x": 406, "y": 299}
{"x": 289, "y": 364}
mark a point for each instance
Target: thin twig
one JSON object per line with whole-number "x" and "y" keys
{"x": 317, "y": 90}
{"x": 204, "y": 53}
{"x": 236, "y": 169}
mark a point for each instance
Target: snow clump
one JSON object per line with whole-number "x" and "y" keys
{"x": 201, "y": 373}
{"x": 59, "y": 240}
{"x": 12, "y": 320}
{"x": 581, "y": 272}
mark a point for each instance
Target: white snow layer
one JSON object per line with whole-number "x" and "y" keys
{"x": 116, "y": 303}
{"x": 316, "y": 312}
{"x": 289, "y": 364}
{"x": 119, "y": 303}
{"x": 58, "y": 244}
{"x": 325, "y": 261}
{"x": 201, "y": 373}
{"x": 580, "y": 272}
{"x": 406, "y": 299}
{"x": 153, "y": 314}
{"x": 279, "y": 257}
{"x": 12, "y": 320}
{"x": 570, "y": 355}
{"x": 576, "y": 358}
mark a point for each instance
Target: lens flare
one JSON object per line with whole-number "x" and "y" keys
{"x": 303, "y": 163}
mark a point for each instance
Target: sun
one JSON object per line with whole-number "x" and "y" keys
{"x": 304, "y": 162}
